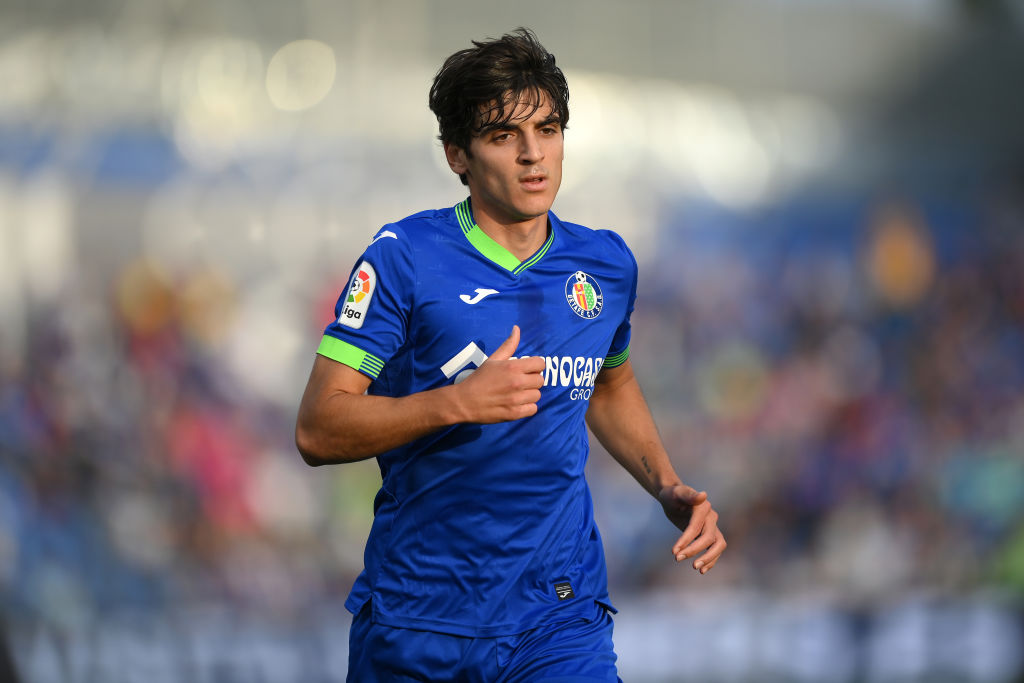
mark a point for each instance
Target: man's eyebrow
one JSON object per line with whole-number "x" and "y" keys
{"x": 509, "y": 126}
{"x": 491, "y": 127}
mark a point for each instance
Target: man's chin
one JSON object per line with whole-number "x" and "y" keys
{"x": 535, "y": 207}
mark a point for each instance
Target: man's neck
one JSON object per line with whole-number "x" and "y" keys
{"x": 522, "y": 239}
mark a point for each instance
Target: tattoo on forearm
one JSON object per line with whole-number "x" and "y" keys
{"x": 647, "y": 466}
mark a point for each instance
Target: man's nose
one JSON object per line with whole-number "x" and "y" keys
{"x": 530, "y": 150}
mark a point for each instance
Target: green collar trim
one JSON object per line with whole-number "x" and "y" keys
{"x": 491, "y": 249}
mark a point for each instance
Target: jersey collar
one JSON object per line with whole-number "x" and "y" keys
{"x": 493, "y": 251}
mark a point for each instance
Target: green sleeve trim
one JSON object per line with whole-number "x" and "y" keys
{"x": 616, "y": 360}
{"x": 352, "y": 356}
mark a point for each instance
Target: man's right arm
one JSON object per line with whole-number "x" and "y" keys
{"x": 338, "y": 422}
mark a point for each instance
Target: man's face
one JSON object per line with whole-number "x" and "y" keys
{"x": 514, "y": 170}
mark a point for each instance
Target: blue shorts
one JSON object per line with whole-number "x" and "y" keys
{"x": 566, "y": 652}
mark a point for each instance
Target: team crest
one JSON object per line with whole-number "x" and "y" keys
{"x": 584, "y": 295}
{"x": 358, "y": 299}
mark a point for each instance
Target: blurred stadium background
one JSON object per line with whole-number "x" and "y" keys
{"x": 827, "y": 201}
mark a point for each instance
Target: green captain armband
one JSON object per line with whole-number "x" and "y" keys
{"x": 352, "y": 356}
{"x": 616, "y": 360}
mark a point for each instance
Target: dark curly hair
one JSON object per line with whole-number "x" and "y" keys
{"x": 479, "y": 88}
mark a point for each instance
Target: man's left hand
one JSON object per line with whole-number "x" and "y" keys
{"x": 690, "y": 510}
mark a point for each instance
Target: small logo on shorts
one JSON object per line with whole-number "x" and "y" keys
{"x": 583, "y": 295}
{"x": 564, "y": 590}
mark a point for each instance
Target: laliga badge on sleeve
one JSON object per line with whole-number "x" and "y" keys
{"x": 360, "y": 291}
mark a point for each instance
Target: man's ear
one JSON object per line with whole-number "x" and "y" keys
{"x": 456, "y": 158}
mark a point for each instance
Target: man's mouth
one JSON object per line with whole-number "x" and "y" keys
{"x": 534, "y": 181}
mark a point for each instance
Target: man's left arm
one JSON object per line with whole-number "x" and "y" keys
{"x": 620, "y": 419}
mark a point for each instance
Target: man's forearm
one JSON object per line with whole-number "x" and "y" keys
{"x": 346, "y": 427}
{"x": 621, "y": 420}
{"x": 338, "y": 422}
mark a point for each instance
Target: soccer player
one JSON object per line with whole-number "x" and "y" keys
{"x": 472, "y": 348}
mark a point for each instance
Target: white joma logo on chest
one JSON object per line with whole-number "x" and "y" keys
{"x": 480, "y": 294}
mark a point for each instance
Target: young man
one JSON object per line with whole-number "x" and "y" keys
{"x": 471, "y": 347}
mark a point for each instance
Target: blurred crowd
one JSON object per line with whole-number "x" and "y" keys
{"x": 849, "y": 391}
{"x": 184, "y": 190}
{"x": 844, "y": 378}
{"x": 848, "y": 385}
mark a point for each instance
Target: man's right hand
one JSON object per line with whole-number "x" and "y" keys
{"x": 503, "y": 388}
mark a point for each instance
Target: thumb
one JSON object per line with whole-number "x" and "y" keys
{"x": 508, "y": 347}
{"x": 690, "y": 496}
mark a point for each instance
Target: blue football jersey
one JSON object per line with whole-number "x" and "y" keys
{"x": 484, "y": 530}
